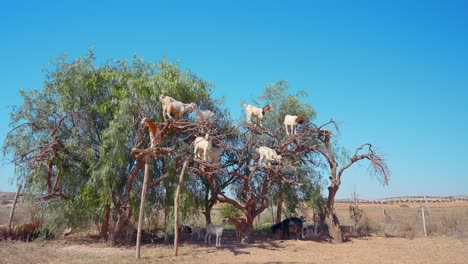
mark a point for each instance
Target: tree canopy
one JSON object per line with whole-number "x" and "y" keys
{"x": 72, "y": 143}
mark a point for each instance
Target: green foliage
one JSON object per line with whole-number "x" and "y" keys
{"x": 94, "y": 113}
{"x": 228, "y": 210}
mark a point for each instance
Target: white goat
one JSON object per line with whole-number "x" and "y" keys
{"x": 201, "y": 115}
{"x": 251, "y": 110}
{"x": 170, "y": 105}
{"x": 216, "y": 230}
{"x": 292, "y": 121}
{"x": 202, "y": 144}
{"x": 268, "y": 154}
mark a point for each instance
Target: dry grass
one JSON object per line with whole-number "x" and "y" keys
{"x": 447, "y": 242}
{"x": 405, "y": 220}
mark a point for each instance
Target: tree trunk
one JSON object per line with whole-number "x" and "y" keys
{"x": 176, "y": 208}
{"x": 331, "y": 219}
{"x": 142, "y": 204}
{"x": 122, "y": 220}
{"x": 207, "y": 214}
{"x": 247, "y": 235}
{"x": 279, "y": 209}
{"x": 12, "y": 212}
{"x": 105, "y": 223}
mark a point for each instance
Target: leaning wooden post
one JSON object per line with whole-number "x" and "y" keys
{"x": 13, "y": 210}
{"x": 142, "y": 203}
{"x": 424, "y": 221}
{"x": 176, "y": 207}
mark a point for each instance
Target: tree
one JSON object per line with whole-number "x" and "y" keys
{"x": 253, "y": 184}
{"x": 377, "y": 165}
{"x": 71, "y": 142}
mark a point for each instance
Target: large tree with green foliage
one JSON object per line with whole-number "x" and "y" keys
{"x": 71, "y": 141}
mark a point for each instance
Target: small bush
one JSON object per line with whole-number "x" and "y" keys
{"x": 366, "y": 227}
{"x": 404, "y": 206}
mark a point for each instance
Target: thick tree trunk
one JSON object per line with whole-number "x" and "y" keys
{"x": 105, "y": 223}
{"x": 247, "y": 235}
{"x": 207, "y": 214}
{"x": 279, "y": 209}
{"x": 122, "y": 220}
{"x": 331, "y": 218}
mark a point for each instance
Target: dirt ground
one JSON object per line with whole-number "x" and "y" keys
{"x": 265, "y": 250}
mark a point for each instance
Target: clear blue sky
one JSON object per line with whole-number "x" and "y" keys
{"x": 392, "y": 73}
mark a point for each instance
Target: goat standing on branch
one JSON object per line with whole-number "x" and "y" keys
{"x": 292, "y": 121}
{"x": 202, "y": 144}
{"x": 257, "y": 112}
{"x": 201, "y": 115}
{"x": 170, "y": 105}
{"x": 153, "y": 129}
{"x": 268, "y": 154}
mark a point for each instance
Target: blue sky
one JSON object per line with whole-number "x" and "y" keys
{"x": 391, "y": 73}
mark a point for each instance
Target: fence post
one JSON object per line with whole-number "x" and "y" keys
{"x": 142, "y": 204}
{"x": 383, "y": 210}
{"x": 176, "y": 207}
{"x": 424, "y": 220}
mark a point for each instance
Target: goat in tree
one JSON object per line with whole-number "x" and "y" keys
{"x": 292, "y": 121}
{"x": 153, "y": 129}
{"x": 268, "y": 154}
{"x": 259, "y": 113}
{"x": 170, "y": 105}
{"x": 202, "y": 144}
{"x": 201, "y": 115}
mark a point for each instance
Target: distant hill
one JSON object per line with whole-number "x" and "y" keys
{"x": 7, "y": 197}
{"x": 410, "y": 199}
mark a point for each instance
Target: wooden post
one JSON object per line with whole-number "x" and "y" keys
{"x": 142, "y": 204}
{"x": 13, "y": 210}
{"x": 176, "y": 207}
{"x": 428, "y": 210}
{"x": 383, "y": 210}
{"x": 424, "y": 221}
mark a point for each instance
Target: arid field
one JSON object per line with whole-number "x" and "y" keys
{"x": 396, "y": 239}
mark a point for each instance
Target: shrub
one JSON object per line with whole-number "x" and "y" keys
{"x": 228, "y": 210}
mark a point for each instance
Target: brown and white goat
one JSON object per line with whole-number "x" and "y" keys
{"x": 292, "y": 121}
{"x": 170, "y": 105}
{"x": 153, "y": 129}
{"x": 259, "y": 113}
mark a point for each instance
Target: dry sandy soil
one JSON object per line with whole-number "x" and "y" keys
{"x": 81, "y": 249}
{"x": 359, "y": 250}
